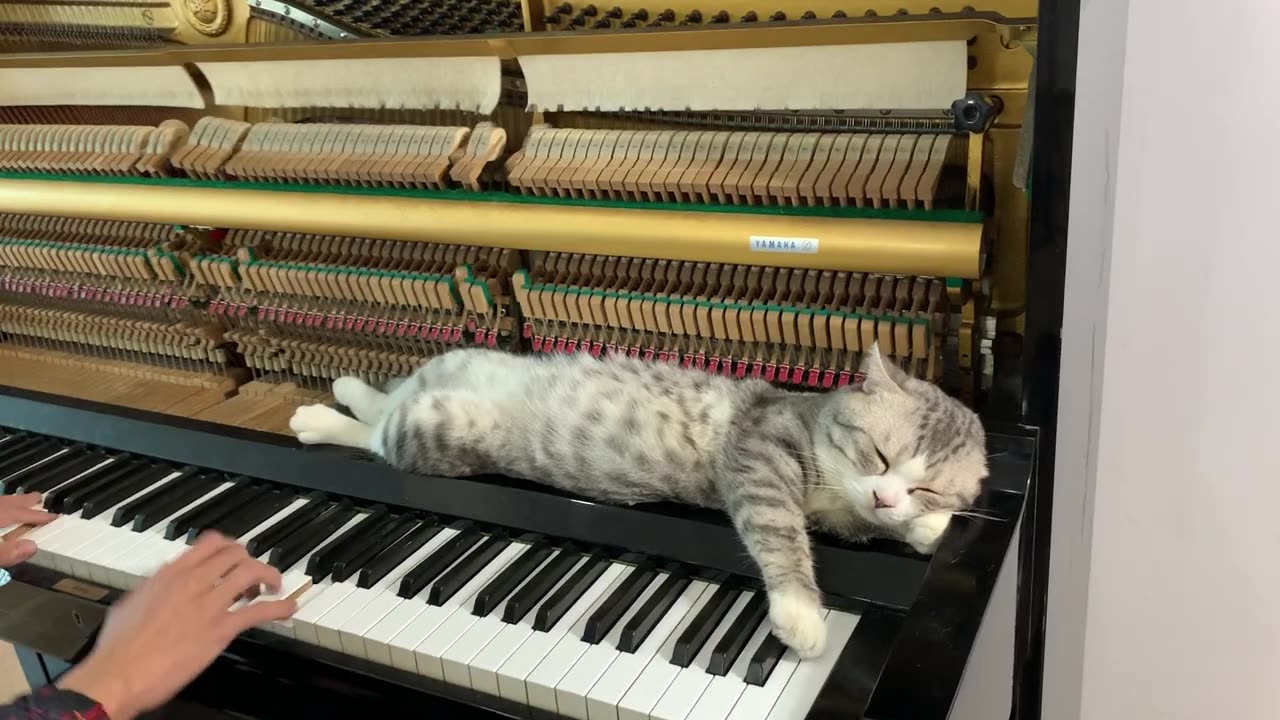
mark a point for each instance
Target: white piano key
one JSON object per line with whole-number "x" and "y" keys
{"x": 352, "y": 633}
{"x": 76, "y": 559}
{"x": 540, "y": 685}
{"x": 572, "y": 689}
{"x": 689, "y": 683}
{"x": 135, "y": 561}
{"x": 377, "y": 639}
{"x": 718, "y": 699}
{"x": 426, "y": 652}
{"x": 305, "y": 619}
{"x": 430, "y": 651}
{"x": 484, "y": 667}
{"x": 607, "y": 693}
{"x": 285, "y": 627}
{"x": 757, "y": 701}
{"x": 807, "y": 680}
{"x": 456, "y": 660}
{"x": 653, "y": 681}
{"x": 329, "y": 627}
{"x": 515, "y": 672}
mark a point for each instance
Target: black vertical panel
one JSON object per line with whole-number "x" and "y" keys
{"x": 1055, "y": 106}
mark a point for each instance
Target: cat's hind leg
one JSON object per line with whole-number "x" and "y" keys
{"x": 368, "y": 403}
{"x": 322, "y": 425}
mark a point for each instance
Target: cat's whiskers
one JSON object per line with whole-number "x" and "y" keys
{"x": 978, "y": 515}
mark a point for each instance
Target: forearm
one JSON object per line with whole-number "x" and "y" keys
{"x": 53, "y": 703}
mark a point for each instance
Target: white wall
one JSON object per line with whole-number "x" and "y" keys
{"x": 1167, "y": 513}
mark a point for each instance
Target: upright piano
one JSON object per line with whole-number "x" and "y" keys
{"x": 210, "y": 209}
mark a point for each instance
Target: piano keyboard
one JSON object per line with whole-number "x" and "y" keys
{"x": 547, "y": 625}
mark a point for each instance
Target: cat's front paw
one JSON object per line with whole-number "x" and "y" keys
{"x": 925, "y": 531}
{"x": 315, "y": 424}
{"x": 797, "y": 621}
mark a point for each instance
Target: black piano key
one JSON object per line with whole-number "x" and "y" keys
{"x": 322, "y": 562}
{"x": 735, "y": 638}
{"x": 707, "y": 620}
{"x": 29, "y": 456}
{"x": 12, "y": 452}
{"x": 492, "y": 595}
{"x": 619, "y": 601}
{"x": 250, "y": 516}
{"x": 44, "y": 474}
{"x": 145, "y": 512}
{"x": 120, "y": 491}
{"x": 391, "y": 531}
{"x": 19, "y": 444}
{"x": 289, "y": 552}
{"x": 294, "y": 522}
{"x": 225, "y": 505}
{"x": 451, "y": 582}
{"x": 209, "y": 509}
{"x": 550, "y": 612}
{"x": 69, "y": 497}
{"x": 437, "y": 562}
{"x": 641, "y": 624}
{"x": 528, "y": 596}
{"x": 406, "y": 546}
{"x": 765, "y": 660}
{"x": 52, "y": 476}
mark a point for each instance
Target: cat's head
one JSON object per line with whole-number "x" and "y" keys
{"x": 895, "y": 447}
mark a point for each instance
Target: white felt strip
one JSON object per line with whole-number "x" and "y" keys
{"x": 464, "y": 83}
{"x": 161, "y": 86}
{"x": 895, "y": 76}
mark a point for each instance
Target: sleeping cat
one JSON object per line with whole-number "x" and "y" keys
{"x": 891, "y": 456}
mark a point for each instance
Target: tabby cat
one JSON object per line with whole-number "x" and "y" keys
{"x": 891, "y": 456}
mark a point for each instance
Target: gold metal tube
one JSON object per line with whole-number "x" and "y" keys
{"x": 899, "y": 247}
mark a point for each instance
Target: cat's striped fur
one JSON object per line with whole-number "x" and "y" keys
{"x": 891, "y": 457}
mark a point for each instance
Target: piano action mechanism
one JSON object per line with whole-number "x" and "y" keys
{"x": 200, "y": 231}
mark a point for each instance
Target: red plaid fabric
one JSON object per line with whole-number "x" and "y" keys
{"x": 51, "y": 703}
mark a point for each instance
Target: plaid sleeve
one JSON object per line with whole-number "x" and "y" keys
{"x": 52, "y": 703}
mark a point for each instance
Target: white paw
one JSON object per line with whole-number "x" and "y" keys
{"x": 797, "y": 621}
{"x": 349, "y": 390}
{"x": 316, "y": 424}
{"x": 925, "y": 531}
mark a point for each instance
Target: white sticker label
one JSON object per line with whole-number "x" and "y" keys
{"x": 800, "y": 246}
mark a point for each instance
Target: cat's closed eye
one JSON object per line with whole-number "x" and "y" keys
{"x": 915, "y": 490}
{"x": 883, "y": 460}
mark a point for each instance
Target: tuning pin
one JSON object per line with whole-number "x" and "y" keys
{"x": 750, "y": 17}
{"x": 667, "y": 15}
{"x": 778, "y": 16}
{"x": 693, "y": 17}
{"x": 809, "y": 15}
{"x": 839, "y": 14}
{"x": 720, "y": 17}
{"x": 640, "y": 15}
{"x": 601, "y": 24}
{"x": 613, "y": 13}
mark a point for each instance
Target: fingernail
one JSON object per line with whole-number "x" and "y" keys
{"x": 24, "y": 549}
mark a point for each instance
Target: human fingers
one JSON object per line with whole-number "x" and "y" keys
{"x": 243, "y": 580}
{"x": 30, "y": 516}
{"x": 25, "y": 500}
{"x": 16, "y": 551}
{"x": 256, "y": 614}
{"x": 205, "y": 547}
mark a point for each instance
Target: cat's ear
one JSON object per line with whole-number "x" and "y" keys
{"x": 880, "y": 375}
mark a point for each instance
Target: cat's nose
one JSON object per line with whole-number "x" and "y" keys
{"x": 885, "y": 501}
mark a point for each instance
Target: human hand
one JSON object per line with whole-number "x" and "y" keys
{"x": 171, "y": 627}
{"x": 20, "y": 510}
